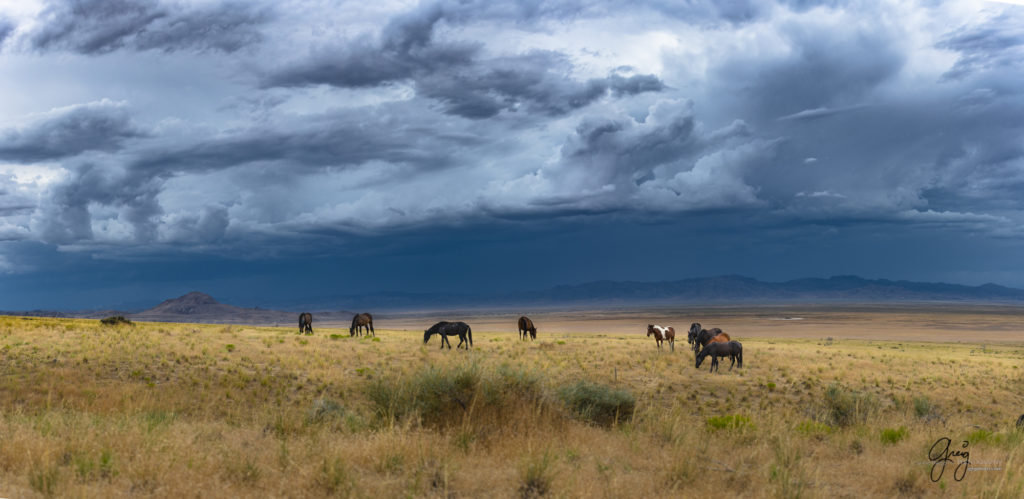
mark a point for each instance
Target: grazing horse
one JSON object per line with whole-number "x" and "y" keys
{"x": 526, "y": 326}
{"x": 306, "y": 323}
{"x": 705, "y": 336}
{"x": 662, "y": 334}
{"x": 732, "y": 349}
{"x": 361, "y": 322}
{"x": 695, "y": 330}
{"x": 446, "y": 329}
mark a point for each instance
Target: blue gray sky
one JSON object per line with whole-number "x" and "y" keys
{"x": 275, "y": 151}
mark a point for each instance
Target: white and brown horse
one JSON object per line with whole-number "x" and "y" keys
{"x": 662, "y": 334}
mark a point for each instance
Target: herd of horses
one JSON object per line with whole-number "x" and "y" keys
{"x": 705, "y": 343}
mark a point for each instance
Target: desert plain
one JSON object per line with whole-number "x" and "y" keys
{"x": 834, "y": 400}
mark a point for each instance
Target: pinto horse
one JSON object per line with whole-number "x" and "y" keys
{"x": 445, "y": 329}
{"x": 361, "y": 323}
{"x": 662, "y": 334}
{"x": 306, "y": 323}
{"x": 526, "y": 326}
{"x": 732, "y": 349}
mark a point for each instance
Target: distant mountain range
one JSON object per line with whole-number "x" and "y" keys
{"x": 706, "y": 290}
{"x": 200, "y": 307}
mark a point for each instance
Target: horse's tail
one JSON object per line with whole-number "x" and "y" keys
{"x": 739, "y": 355}
{"x": 469, "y": 333}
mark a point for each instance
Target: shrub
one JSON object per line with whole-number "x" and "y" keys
{"x": 729, "y": 421}
{"x": 923, "y": 406}
{"x": 536, "y": 477}
{"x": 598, "y": 404}
{"x": 844, "y": 407}
{"x": 443, "y": 396}
{"x": 814, "y": 428}
{"x": 115, "y": 320}
{"x": 893, "y": 435}
{"x": 324, "y": 409}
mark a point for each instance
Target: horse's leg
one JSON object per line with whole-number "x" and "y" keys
{"x": 672, "y": 343}
{"x": 732, "y": 362}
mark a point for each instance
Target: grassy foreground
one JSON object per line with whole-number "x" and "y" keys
{"x": 210, "y": 410}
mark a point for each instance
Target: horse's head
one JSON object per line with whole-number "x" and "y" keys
{"x": 650, "y": 329}
{"x": 426, "y": 336}
{"x": 700, "y": 357}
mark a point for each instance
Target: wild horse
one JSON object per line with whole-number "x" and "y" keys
{"x": 732, "y": 349}
{"x": 526, "y": 326}
{"x": 306, "y": 323}
{"x": 361, "y": 323}
{"x": 662, "y": 334}
{"x": 445, "y": 329}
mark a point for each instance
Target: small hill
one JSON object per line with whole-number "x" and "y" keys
{"x": 203, "y": 308}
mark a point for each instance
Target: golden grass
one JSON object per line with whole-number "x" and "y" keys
{"x": 225, "y": 411}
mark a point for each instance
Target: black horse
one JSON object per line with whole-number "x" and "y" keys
{"x": 706, "y": 336}
{"x": 526, "y": 326}
{"x": 732, "y": 349}
{"x": 445, "y": 329}
{"x": 695, "y": 329}
{"x": 306, "y": 323}
{"x": 361, "y": 323}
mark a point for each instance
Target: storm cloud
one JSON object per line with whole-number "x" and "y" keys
{"x": 801, "y": 137}
{"x": 95, "y": 27}
{"x": 69, "y": 131}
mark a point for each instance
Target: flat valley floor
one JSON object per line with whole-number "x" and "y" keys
{"x": 831, "y": 401}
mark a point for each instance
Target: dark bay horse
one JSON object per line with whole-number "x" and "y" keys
{"x": 361, "y": 322}
{"x": 445, "y": 329}
{"x": 732, "y": 349}
{"x": 306, "y": 323}
{"x": 662, "y": 334}
{"x": 695, "y": 329}
{"x": 706, "y": 336}
{"x": 526, "y": 326}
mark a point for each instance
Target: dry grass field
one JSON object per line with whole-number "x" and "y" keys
{"x": 829, "y": 403}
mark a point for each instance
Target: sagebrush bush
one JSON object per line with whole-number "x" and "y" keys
{"x": 598, "y": 404}
{"x": 729, "y": 421}
{"x": 845, "y": 407}
{"x": 115, "y": 320}
{"x": 440, "y": 397}
{"x": 893, "y": 435}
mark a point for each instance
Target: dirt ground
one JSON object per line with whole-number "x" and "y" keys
{"x": 924, "y": 322}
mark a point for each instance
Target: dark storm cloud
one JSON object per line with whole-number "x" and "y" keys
{"x": 454, "y": 73}
{"x": 538, "y": 82}
{"x": 96, "y": 126}
{"x": 384, "y": 133}
{"x": 994, "y": 44}
{"x": 101, "y": 26}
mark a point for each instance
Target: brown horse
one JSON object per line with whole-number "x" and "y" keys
{"x": 713, "y": 335}
{"x": 526, "y": 326}
{"x": 306, "y": 323}
{"x": 361, "y": 322}
{"x": 662, "y": 334}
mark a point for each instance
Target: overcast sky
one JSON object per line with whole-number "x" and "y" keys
{"x": 281, "y": 150}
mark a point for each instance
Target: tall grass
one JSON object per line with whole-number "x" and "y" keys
{"x": 158, "y": 409}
